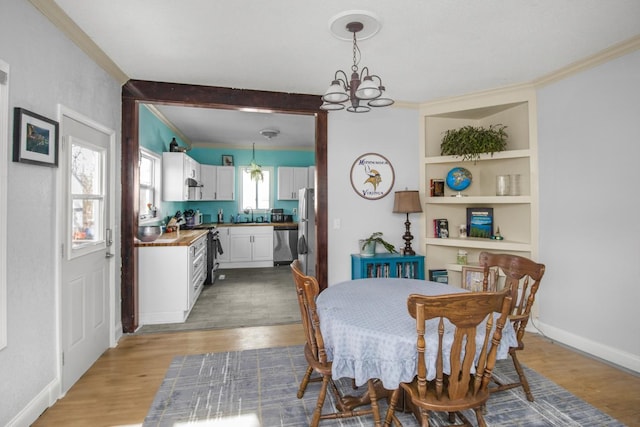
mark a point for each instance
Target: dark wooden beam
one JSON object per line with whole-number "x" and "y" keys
{"x": 135, "y": 92}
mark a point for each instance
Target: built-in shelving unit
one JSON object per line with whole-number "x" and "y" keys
{"x": 517, "y": 215}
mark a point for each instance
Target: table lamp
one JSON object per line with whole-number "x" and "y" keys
{"x": 407, "y": 202}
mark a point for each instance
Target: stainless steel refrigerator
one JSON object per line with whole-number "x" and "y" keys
{"x": 307, "y": 231}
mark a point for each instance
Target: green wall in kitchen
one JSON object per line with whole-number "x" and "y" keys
{"x": 156, "y": 136}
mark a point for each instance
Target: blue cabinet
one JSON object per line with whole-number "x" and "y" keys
{"x": 387, "y": 265}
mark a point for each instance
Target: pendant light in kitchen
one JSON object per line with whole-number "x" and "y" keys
{"x": 255, "y": 170}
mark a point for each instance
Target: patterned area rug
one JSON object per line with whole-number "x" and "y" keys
{"x": 257, "y": 388}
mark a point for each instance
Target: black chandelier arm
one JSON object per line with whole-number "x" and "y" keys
{"x": 341, "y": 77}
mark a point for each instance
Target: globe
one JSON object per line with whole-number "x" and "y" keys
{"x": 459, "y": 179}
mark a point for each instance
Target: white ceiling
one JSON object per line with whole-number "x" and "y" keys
{"x": 425, "y": 49}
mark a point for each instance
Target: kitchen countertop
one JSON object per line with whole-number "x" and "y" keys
{"x": 181, "y": 238}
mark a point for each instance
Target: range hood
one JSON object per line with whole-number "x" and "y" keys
{"x": 190, "y": 182}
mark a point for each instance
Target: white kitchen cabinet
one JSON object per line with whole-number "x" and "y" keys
{"x": 178, "y": 171}
{"x": 170, "y": 281}
{"x": 218, "y": 182}
{"x": 246, "y": 246}
{"x": 290, "y": 181}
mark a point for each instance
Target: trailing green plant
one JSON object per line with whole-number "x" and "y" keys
{"x": 377, "y": 238}
{"x": 470, "y": 142}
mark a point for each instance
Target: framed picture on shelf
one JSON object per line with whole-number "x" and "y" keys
{"x": 472, "y": 278}
{"x": 227, "y": 160}
{"x": 480, "y": 222}
{"x": 35, "y": 138}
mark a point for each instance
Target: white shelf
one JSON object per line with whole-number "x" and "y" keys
{"x": 470, "y": 200}
{"x": 502, "y": 155}
{"x": 489, "y": 244}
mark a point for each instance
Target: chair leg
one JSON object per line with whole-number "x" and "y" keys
{"x": 523, "y": 378}
{"x": 374, "y": 403}
{"x": 305, "y": 381}
{"x": 393, "y": 401}
{"x": 321, "y": 396}
{"x": 480, "y": 417}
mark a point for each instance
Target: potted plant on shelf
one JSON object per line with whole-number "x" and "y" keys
{"x": 471, "y": 141}
{"x": 368, "y": 245}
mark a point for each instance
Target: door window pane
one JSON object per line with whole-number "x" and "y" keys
{"x": 87, "y": 195}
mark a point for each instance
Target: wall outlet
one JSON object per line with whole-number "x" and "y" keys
{"x": 295, "y": 211}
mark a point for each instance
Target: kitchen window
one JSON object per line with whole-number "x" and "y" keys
{"x": 149, "y": 185}
{"x": 256, "y": 195}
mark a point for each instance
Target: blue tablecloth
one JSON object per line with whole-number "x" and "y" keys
{"x": 368, "y": 332}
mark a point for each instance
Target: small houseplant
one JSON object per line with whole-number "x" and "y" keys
{"x": 368, "y": 245}
{"x": 471, "y": 141}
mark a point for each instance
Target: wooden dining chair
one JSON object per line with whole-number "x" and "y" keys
{"x": 307, "y": 289}
{"x": 465, "y": 386}
{"x": 522, "y": 277}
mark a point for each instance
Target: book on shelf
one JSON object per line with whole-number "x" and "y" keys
{"x": 437, "y": 275}
{"x": 437, "y": 187}
{"x": 480, "y": 222}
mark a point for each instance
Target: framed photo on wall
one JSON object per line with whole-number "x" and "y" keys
{"x": 227, "y": 160}
{"x": 472, "y": 278}
{"x": 35, "y": 138}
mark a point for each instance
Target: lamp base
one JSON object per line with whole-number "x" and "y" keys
{"x": 407, "y": 237}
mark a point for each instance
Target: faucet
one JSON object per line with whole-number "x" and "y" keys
{"x": 246, "y": 211}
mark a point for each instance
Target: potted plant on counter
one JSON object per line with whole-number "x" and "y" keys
{"x": 368, "y": 245}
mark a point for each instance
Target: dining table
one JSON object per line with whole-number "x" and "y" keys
{"x": 369, "y": 334}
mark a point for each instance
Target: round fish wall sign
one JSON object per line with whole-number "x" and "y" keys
{"x": 372, "y": 176}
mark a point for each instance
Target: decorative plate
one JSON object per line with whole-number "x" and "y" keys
{"x": 372, "y": 176}
{"x": 459, "y": 179}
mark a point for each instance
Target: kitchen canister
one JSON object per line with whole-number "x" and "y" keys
{"x": 502, "y": 185}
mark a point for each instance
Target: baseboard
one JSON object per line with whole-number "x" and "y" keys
{"x": 608, "y": 354}
{"x": 43, "y": 400}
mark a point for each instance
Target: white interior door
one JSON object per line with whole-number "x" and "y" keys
{"x": 86, "y": 240}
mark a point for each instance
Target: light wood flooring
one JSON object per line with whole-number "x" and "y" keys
{"x": 120, "y": 386}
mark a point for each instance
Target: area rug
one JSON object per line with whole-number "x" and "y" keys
{"x": 257, "y": 388}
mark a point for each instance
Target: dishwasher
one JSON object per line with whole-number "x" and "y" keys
{"x": 285, "y": 244}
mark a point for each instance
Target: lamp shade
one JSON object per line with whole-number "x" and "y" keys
{"x": 407, "y": 201}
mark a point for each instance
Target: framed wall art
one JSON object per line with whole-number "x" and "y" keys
{"x": 35, "y": 138}
{"x": 372, "y": 176}
{"x": 472, "y": 278}
{"x": 227, "y": 160}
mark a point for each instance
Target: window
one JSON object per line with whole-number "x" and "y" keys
{"x": 87, "y": 195}
{"x": 256, "y": 195}
{"x": 149, "y": 185}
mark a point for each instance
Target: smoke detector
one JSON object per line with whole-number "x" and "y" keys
{"x": 269, "y": 133}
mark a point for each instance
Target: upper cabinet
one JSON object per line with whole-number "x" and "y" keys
{"x": 180, "y": 177}
{"x": 291, "y": 180}
{"x": 218, "y": 182}
{"x": 516, "y": 214}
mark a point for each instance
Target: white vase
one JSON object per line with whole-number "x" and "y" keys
{"x": 368, "y": 250}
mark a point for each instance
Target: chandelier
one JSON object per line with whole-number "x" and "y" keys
{"x": 361, "y": 88}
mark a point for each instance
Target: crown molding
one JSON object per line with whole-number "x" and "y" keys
{"x": 60, "y": 19}
{"x": 601, "y": 57}
{"x": 154, "y": 110}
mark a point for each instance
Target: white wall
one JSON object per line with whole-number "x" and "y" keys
{"x": 46, "y": 69}
{"x": 589, "y": 147}
{"x": 391, "y": 132}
